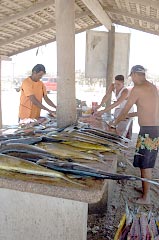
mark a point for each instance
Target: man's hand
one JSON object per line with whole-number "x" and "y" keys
{"x": 98, "y": 113}
{"x": 52, "y": 113}
{"x": 94, "y": 109}
{"x": 111, "y": 124}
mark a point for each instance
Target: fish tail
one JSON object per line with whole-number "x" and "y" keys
{"x": 71, "y": 181}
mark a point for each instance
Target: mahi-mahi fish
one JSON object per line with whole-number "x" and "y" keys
{"x": 13, "y": 164}
{"x": 22, "y": 140}
{"x": 63, "y": 151}
{"x": 89, "y": 146}
{"x": 22, "y": 148}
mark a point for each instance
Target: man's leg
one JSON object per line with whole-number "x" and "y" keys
{"x": 145, "y": 173}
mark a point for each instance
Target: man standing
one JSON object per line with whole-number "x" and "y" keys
{"x": 32, "y": 93}
{"x": 121, "y": 94}
{"x": 145, "y": 95}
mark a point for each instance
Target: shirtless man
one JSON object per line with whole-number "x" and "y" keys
{"x": 145, "y": 95}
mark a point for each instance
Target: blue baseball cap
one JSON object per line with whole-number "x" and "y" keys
{"x": 137, "y": 68}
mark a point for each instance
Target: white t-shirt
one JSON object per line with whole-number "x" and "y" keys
{"x": 120, "y": 107}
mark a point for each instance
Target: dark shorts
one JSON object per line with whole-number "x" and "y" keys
{"x": 147, "y": 146}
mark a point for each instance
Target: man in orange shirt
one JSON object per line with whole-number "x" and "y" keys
{"x": 32, "y": 93}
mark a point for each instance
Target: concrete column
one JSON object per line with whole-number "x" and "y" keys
{"x": 65, "y": 37}
{"x": 2, "y": 58}
{"x": 0, "y": 95}
{"x": 111, "y": 56}
{"x": 28, "y": 216}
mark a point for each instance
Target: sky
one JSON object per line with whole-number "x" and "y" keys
{"x": 144, "y": 50}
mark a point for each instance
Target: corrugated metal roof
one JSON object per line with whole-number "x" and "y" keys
{"x": 26, "y": 24}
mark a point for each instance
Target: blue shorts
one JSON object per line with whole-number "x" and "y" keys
{"x": 147, "y": 146}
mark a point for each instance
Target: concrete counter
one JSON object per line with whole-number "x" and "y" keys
{"x": 44, "y": 208}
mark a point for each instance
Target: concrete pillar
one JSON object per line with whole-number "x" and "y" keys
{"x": 28, "y": 216}
{"x": 2, "y": 58}
{"x": 0, "y": 95}
{"x": 111, "y": 56}
{"x": 65, "y": 37}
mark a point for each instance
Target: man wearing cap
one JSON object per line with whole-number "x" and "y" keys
{"x": 145, "y": 95}
{"x": 32, "y": 93}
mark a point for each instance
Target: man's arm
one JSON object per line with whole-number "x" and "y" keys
{"x": 49, "y": 102}
{"x": 132, "y": 114}
{"x": 34, "y": 100}
{"x": 131, "y": 101}
{"x": 106, "y": 96}
{"x": 123, "y": 96}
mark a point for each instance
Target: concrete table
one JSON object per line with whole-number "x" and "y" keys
{"x": 45, "y": 209}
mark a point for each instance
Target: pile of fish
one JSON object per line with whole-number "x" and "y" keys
{"x": 139, "y": 226}
{"x": 47, "y": 151}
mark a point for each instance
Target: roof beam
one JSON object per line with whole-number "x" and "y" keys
{"x": 5, "y": 58}
{"x": 136, "y": 28}
{"x": 26, "y": 12}
{"x": 131, "y": 15}
{"x": 50, "y": 41}
{"x": 37, "y": 30}
{"x": 95, "y": 7}
{"x": 147, "y": 3}
{"x": 27, "y": 34}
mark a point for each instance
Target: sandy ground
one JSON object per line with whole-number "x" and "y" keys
{"x": 103, "y": 226}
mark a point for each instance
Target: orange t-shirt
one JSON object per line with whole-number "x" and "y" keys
{"x": 27, "y": 109}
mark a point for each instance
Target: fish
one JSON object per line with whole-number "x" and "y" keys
{"x": 20, "y": 147}
{"x": 68, "y": 152}
{"x": 111, "y": 136}
{"x": 125, "y": 232}
{"x": 68, "y": 168}
{"x": 144, "y": 227}
{"x": 153, "y": 226}
{"x": 107, "y": 138}
{"x": 33, "y": 157}
{"x": 8, "y": 136}
{"x": 22, "y": 140}
{"x": 77, "y": 168}
{"x": 50, "y": 139}
{"x": 89, "y": 146}
{"x": 13, "y": 164}
{"x": 128, "y": 223}
{"x": 85, "y": 137}
{"x": 135, "y": 229}
{"x": 120, "y": 227}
